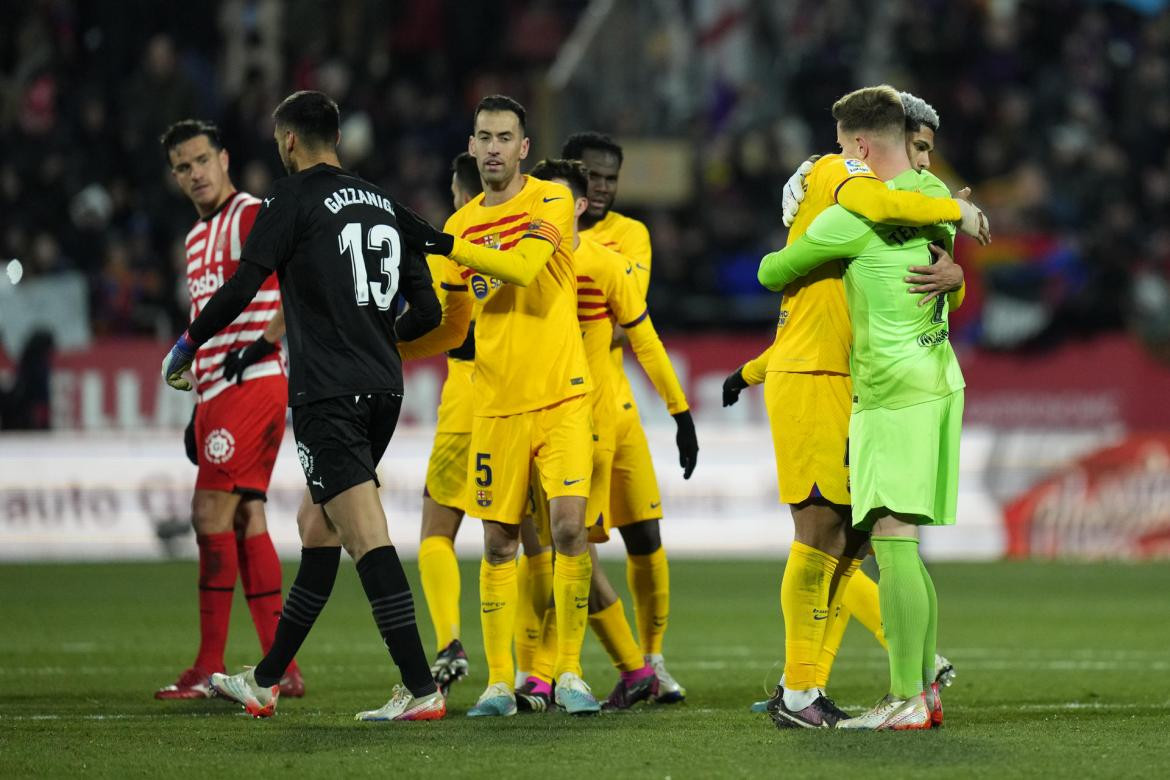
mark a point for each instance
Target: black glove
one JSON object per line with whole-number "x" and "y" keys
{"x": 189, "y": 439}
{"x": 237, "y": 360}
{"x": 422, "y": 236}
{"x": 733, "y": 385}
{"x": 688, "y": 443}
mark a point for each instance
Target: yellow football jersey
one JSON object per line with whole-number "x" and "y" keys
{"x": 813, "y": 332}
{"x": 630, "y": 239}
{"x": 607, "y": 294}
{"x": 528, "y": 350}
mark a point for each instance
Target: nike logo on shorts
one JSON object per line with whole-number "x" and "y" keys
{"x": 546, "y": 200}
{"x": 573, "y": 481}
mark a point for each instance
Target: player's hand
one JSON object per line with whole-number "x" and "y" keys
{"x": 422, "y": 236}
{"x": 237, "y": 360}
{"x": 688, "y": 443}
{"x": 189, "y": 439}
{"x": 939, "y": 278}
{"x": 733, "y": 385}
{"x": 973, "y": 222}
{"x": 177, "y": 361}
{"x": 794, "y": 193}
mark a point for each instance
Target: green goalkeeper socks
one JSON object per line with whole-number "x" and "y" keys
{"x": 930, "y": 647}
{"x": 906, "y": 609}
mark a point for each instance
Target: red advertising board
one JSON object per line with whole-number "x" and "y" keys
{"x": 1109, "y": 380}
{"x": 1114, "y": 503}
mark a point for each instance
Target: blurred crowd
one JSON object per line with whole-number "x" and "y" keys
{"x": 1056, "y": 112}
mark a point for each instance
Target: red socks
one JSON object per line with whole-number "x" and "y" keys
{"x": 260, "y": 574}
{"x": 218, "y": 566}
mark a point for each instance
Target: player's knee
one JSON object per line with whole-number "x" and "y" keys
{"x": 439, "y": 520}
{"x": 208, "y": 515}
{"x": 644, "y": 538}
{"x": 250, "y": 519}
{"x": 568, "y": 534}
{"x": 500, "y": 542}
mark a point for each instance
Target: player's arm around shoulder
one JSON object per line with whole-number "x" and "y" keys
{"x": 835, "y": 233}
{"x": 869, "y": 197}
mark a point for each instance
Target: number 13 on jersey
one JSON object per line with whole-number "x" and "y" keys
{"x": 381, "y": 238}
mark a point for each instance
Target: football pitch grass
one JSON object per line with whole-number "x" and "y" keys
{"x": 1062, "y": 669}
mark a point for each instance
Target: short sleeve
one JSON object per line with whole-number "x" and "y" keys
{"x": 273, "y": 236}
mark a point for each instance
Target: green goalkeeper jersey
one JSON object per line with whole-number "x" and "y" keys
{"x": 901, "y": 352}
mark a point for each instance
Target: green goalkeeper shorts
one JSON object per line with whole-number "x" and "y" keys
{"x": 906, "y": 461}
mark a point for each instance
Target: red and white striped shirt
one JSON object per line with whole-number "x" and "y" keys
{"x": 213, "y": 254}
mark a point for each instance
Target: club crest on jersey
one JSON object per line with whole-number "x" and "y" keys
{"x": 491, "y": 241}
{"x": 483, "y": 497}
{"x": 535, "y": 224}
{"x": 219, "y": 446}
{"x": 854, "y": 167}
{"x": 306, "y": 459}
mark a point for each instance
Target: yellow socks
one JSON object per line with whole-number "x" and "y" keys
{"x": 545, "y": 661}
{"x": 439, "y": 570}
{"x": 497, "y": 600}
{"x": 861, "y": 599}
{"x": 534, "y": 586}
{"x": 837, "y": 622}
{"x": 612, "y": 628}
{"x": 649, "y": 579}
{"x": 571, "y": 593}
{"x": 804, "y": 602}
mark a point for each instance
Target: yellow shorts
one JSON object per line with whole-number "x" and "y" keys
{"x": 634, "y": 495}
{"x": 447, "y": 470}
{"x": 596, "y": 514}
{"x": 810, "y": 434}
{"x": 556, "y": 440}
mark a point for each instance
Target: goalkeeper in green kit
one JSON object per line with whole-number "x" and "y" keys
{"x": 908, "y": 396}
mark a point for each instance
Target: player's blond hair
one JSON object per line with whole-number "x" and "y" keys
{"x": 871, "y": 109}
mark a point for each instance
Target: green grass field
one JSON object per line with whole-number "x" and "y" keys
{"x": 1062, "y": 670}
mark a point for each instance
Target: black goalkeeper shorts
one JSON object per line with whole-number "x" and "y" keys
{"x": 340, "y": 440}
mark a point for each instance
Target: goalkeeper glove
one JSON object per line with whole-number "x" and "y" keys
{"x": 794, "y": 192}
{"x": 177, "y": 361}
{"x": 237, "y": 360}
{"x": 688, "y": 443}
{"x": 733, "y": 385}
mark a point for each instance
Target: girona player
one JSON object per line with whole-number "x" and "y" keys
{"x": 241, "y": 396}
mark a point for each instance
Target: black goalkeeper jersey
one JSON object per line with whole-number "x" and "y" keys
{"x": 333, "y": 240}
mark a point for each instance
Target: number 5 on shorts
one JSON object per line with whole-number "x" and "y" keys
{"x": 483, "y": 468}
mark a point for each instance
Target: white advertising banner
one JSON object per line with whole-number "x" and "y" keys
{"x": 93, "y": 496}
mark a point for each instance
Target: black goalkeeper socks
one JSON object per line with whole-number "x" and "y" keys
{"x": 393, "y": 606}
{"x": 306, "y": 598}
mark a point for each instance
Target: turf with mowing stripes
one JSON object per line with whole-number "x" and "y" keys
{"x": 1062, "y": 669}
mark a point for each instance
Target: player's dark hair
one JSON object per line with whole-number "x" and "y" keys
{"x": 186, "y": 129}
{"x": 576, "y": 144}
{"x": 502, "y": 103}
{"x": 313, "y": 116}
{"x": 467, "y": 174}
{"x": 571, "y": 171}
{"x": 876, "y": 109}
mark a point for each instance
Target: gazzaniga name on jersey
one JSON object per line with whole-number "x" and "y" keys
{"x": 348, "y": 196}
